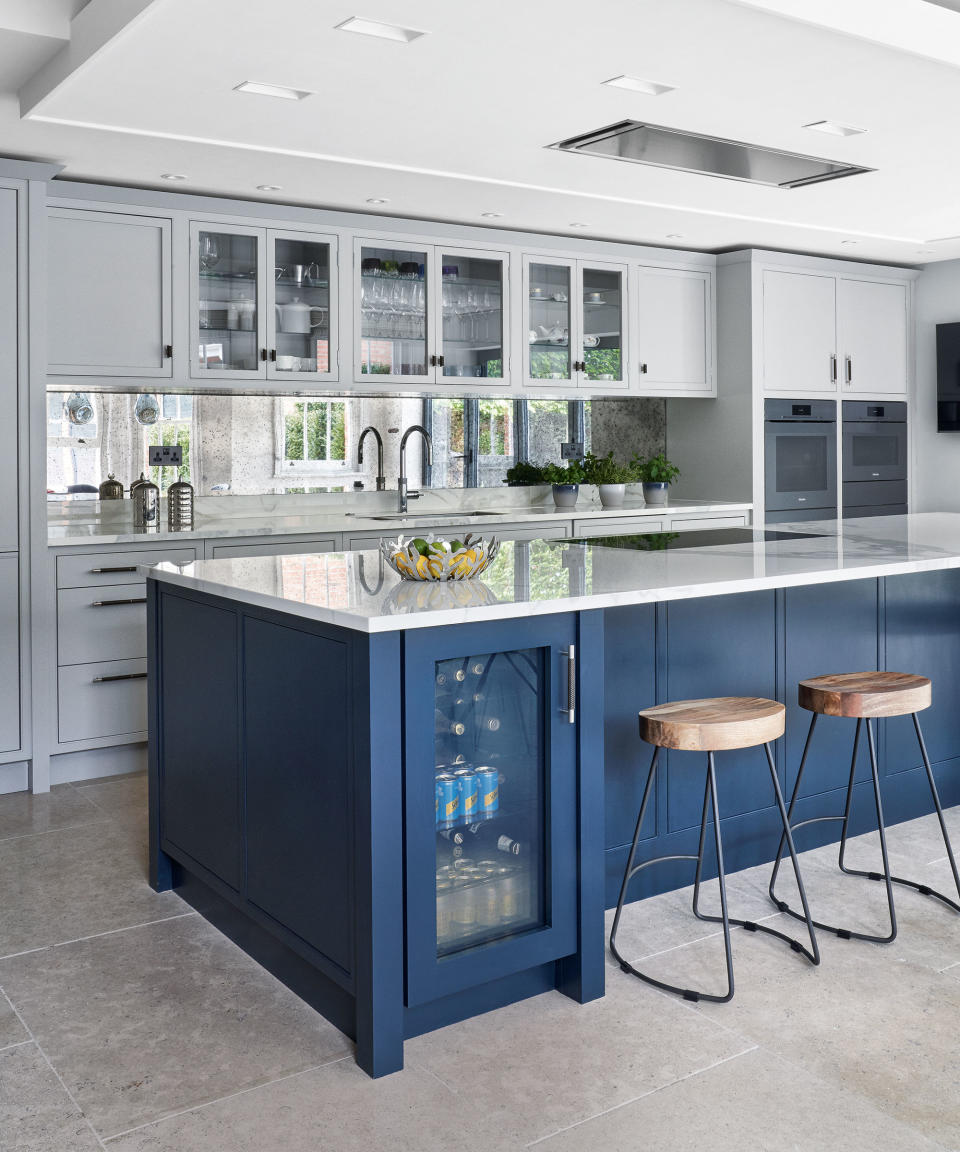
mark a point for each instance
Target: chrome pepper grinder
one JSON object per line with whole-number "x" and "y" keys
{"x": 146, "y": 503}
{"x": 180, "y": 506}
{"x": 111, "y": 488}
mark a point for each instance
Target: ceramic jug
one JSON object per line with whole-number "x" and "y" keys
{"x": 297, "y": 316}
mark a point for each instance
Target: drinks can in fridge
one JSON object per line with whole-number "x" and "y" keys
{"x": 488, "y": 906}
{"x": 448, "y": 799}
{"x": 488, "y": 792}
{"x": 467, "y": 780}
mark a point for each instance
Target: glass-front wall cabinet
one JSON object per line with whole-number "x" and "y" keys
{"x": 263, "y": 305}
{"x": 491, "y": 803}
{"x": 393, "y": 313}
{"x": 303, "y": 317}
{"x": 471, "y": 316}
{"x": 575, "y": 312}
{"x": 227, "y": 301}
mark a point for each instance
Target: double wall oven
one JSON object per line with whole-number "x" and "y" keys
{"x": 800, "y": 460}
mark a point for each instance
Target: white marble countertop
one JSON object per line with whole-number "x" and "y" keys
{"x": 115, "y": 525}
{"x": 356, "y": 590}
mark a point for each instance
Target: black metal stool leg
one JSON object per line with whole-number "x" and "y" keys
{"x": 943, "y": 827}
{"x": 629, "y": 870}
{"x": 793, "y": 801}
{"x": 849, "y": 800}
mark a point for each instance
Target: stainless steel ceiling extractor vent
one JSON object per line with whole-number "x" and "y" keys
{"x": 641, "y": 143}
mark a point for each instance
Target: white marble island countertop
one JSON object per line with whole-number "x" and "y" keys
{"x": 357, "y": 590}
{"x": 114, "y": 524}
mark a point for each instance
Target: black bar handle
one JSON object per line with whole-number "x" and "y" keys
{"x": 124, "y": 676}
{"x": 114, "y": 603}
{"x": 104, "y": 571}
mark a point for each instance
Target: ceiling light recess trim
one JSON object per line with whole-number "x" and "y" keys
{"x": 651, "y": 144}
{"x": 636, "y": 84}
{"x": 377, "y": 28}
{"x": 269, "y": 187}
{"x": 258, "y": 88}
{"x": 834, "y": 128}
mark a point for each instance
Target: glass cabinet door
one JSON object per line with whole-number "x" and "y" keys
{"x": 549, "y": 287}
{"x": 602, "y": 296}
{"x": 226, "y": 301}
{"x": 490, "y": 804}
{"x": 303, "y": 317}
{"x": 471, "y": 315}
{"x": 392, "y": 312}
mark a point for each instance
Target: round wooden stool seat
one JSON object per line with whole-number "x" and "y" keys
{"x": 714, "y": 724}
{"x": 864, "y": 694}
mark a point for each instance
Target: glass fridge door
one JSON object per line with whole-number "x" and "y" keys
{"x": 226, "y": 321}
{"x": 549, "y": 287}
{"x": 472, "y": 315}
{"x": 490, "y": 797}
{"x": 392, "y": 303}
{"x": 602, "y": 292}
{"x": 303, "y": 319}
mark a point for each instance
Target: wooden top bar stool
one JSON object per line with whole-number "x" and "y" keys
{"x": 866, "y": 696}
{"x": 717, "y": 724}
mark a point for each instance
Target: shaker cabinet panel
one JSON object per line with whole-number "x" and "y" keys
{"x": 799, "y": 332}
{"x": 873, "y": 336}
{"x": 9, "y": 652}
{"x": 108, "y": 281}
{"x": 674, "y": 330}
{"x": 9, "y": 427}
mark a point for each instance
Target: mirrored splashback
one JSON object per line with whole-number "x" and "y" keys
{"x": 253, "y": 445}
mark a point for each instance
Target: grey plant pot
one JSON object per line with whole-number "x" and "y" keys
{"x": 565, "y": 495}
{"x": 655, "y": 493}
{"x": 611, "y": 495}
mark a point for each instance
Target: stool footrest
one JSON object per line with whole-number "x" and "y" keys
{"x": 814, "y": 820}
{"x": 656, "y": 860}
{"x": 689, "y": 994}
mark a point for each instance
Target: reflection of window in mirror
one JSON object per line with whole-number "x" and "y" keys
{"x": 174, "y": 426}
{"x": 70, "y": 446}
{"x": 313, "y": 439}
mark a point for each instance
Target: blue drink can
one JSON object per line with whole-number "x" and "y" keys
{"x": 467, "y": 781}
{"x": 448, "y": 800}
{"x": 488, "y": 792}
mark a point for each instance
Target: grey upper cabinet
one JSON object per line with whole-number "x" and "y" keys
{"x": 674, "y": 323}
{"x": 873, "y": 319}
{"x": 8, "y": 371}
{"x": 799, "y": 332}
{"x": 109, "y": 292}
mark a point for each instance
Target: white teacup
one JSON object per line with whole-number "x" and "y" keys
{"x": 288, "y": 363}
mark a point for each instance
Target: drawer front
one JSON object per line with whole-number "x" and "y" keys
{"x": 690, "y": 524}
{"x": 92, "y": 569}
{"x": 105, "y": 699}
{"x": 617, "y": 526}
{"x": 279, "y": 548}
{"x": 101, "y": 624}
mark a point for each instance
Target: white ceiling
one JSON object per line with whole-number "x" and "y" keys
{"x": 456, "y": 123}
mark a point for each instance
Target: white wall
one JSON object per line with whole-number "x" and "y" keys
{"x": 936, "y": 456}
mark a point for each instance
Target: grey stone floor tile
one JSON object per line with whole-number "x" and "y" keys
{"x": 120, "y": 797}
{"x": 72, "y": 883}
{"x": 11, "y": 1030}
{"x": 547, "y": 1062}
{"x": 24, "y": 814}
{"x": 883, "y": 1028}
{"x": 162, "y": 1018}
{"x": 778, "y": 1108}
{"x": 36, "y": 1114}
{"x": 337, "y": 1107}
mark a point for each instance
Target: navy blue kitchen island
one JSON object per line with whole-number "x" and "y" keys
{"x": 413, "y": 803}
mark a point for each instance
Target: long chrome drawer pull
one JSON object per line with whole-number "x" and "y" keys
{"x": 572, "y": 684}
{"x": 103, "y": 571}
{"x": 114, "y": 603}
{"x": 124, "y": 676}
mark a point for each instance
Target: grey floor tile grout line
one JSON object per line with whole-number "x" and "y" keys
{"x": 103, "y": 818}
{"x": 433, "y": 1075}
{"x": 47, "y": 1061}
{"x": 98, "y": 935}
{"x": 222, "y": 1099}
{"x": 644, "y": 1095}
{"x": 18, "y": 1044}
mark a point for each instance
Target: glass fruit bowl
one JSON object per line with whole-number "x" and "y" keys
{"x": 432, "y": 558}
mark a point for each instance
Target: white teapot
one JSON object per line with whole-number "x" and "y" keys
{"x": 555, "y": 333}
{"x": 296, "y": 316}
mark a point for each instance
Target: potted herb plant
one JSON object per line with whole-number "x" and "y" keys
{"x": 523, "y": 474}
{"x": 566, "y": 482}
{"x": 656, "y": 475}
{"x": 610, "y": 478}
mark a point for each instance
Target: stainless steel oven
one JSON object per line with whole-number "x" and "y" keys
{"x": 800, "y": 459}
{"x": 874, "y": 458}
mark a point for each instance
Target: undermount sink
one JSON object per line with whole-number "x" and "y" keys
{"x": 413, "y": 515}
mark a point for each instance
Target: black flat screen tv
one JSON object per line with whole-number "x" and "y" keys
{"x": 948, "y": 377}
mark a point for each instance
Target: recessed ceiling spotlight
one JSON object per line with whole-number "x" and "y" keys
{"x": 635, "y": 84}
{"x": 376, "y": 28}
{"x": 491, "y": 215}
{"x": 255, "y": 88}
{"x": 172, "y": 176}
{"x": 269, "y": 187}
{"x": 674, "y": 235}
{"x": 377, "y": 200}
{"x": 579, "y": 225}
{"x": 833, "y": 128}
{"x": 849, "y": 241}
